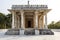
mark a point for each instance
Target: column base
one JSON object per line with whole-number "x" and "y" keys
{"x": 36, "y": 32}
{"x": 22, "y": 31}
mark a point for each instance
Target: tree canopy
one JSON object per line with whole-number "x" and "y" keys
{"x": 5, "y": 21}
{"x": 53, "y": 25}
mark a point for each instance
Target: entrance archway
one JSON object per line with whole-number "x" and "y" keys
{"x": 29, "y": 23}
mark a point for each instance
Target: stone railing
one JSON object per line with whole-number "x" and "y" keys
{"x": 29, "y": 7}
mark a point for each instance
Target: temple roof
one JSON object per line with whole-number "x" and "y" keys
{"x": 29, "y": 7}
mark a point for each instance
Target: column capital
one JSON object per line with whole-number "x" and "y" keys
{"x": 12, "y": 12}
{"x": 21, "y": 11}
{"x": 36, "y": 11}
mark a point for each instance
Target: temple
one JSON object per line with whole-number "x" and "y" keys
{"x": 29, "y": 19}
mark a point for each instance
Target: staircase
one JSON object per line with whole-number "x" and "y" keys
{"x": 29, "y": 31}
{"x": 45, "y": 32}
{"x": 12, "y": 32}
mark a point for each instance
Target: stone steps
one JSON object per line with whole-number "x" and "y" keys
{"x": 45, "y": 32}
{"x": 29, "y": 32}
{"x": 13, "y": 32}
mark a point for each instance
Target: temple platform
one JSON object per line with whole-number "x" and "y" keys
{"x": 29, "y": 32}
{"x": 12, "y": 32}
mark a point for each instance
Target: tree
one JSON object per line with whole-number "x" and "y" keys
{"x": 5, "y": 21}
{"x": 9, "y": 20}
{"x": 2, "y": 20}
{"x": 57, "y": 25}
{"x": 53, "y": 25}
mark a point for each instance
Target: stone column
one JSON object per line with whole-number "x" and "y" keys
{"x": 18, "y": 23}
{"x": 36, "y": 19}
{"x": 15, "y": 21}
{"x": 46, "y": 22}
{"x": 22, "y": 19}
{"x": 40, "y": 22}
{"x": 43, "y": 21}
{"x": 22, "y": 23}
{"x": 13, "y": 26}
{"x": 36, "y": 23}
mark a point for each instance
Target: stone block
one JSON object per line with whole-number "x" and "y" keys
{"x": 21, "y": 32}
{"x": 12, "y": 32}
{"x": 45, "y": 32}
{"x": 36, "y": 32}
{"x": 29, "y": 32}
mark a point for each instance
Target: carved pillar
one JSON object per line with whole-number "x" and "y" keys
{"x": 13, "y": 16}
{"x": 18, "y": 22}
{"x": 40, "y": 22}
{"x": 46, "y": 22}
{"x": 36, "y": 23}
{"x": 43, "y": 21}
{"x": 22, "y": 19}
{"x": 14, "y": 20}
{"x": 22, "y": 23}
{"x": 36, "y": 19}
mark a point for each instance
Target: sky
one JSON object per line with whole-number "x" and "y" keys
{"x": 53, "y": 15}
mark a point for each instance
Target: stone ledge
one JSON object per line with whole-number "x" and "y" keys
{"x": 29, "y": 32}
{"x": 12, "y": 32}
{"x": 45, "y": 32}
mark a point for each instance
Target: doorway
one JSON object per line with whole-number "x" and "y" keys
{"x": 29, "y": 23}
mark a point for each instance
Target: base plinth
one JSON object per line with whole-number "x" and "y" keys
{"x": 29, "y": 32}
{"x": 12, "y": 32}
{"x": 21, "y": 32}
{"x": 45, "y": 32}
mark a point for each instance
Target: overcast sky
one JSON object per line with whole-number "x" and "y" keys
{"x": 53, "y": 15}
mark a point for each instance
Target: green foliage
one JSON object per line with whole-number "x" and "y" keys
{"x": 54, "y": 25}
{"x": 5, "y": 21}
